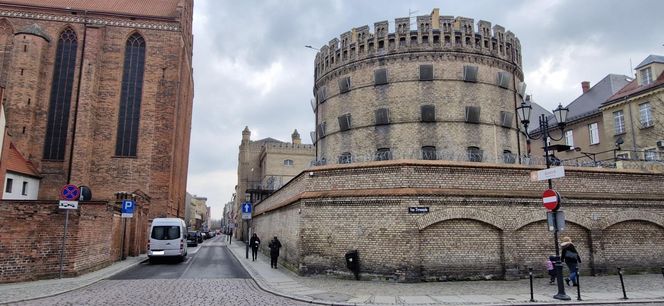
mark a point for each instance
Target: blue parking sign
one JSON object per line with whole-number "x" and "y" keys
{"x": 127, "y": 208}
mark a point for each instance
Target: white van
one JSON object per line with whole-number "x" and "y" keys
{"x": 168, "y": 238}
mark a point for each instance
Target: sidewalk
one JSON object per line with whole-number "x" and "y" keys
{"x": 332, "y": 291}
{"x": 17, "y": 292}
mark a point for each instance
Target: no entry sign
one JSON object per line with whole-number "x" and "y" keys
{"x": 551, "y": 199}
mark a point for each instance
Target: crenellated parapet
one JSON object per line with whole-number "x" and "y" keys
{"x": 432, "y": 33}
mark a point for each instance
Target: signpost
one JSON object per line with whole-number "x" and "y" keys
{"x": 246, "y": 215}
{"x": 127, "y": 210}
{"x": 68, "y": 196}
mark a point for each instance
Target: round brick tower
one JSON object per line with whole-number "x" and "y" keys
{"x": 447, "y": 91}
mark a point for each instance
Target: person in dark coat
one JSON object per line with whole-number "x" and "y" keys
{"x": 254, "y": 242}
{"x": 274, "y": 246}
{"x": 572, "y": 259}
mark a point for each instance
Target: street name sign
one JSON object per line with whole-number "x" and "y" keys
{"x": 418, "y": 210}
{"x": 64, "y": 204}
{"x": 547, "y": 174}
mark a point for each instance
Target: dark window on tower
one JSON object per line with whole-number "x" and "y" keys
{"x": 470, "y": 73}
{"x": 506, "y": 119}
{"x": 429, "y": 153}
{"x": 473, "y": 114}
{"x": 475, "y": 154}
{"x": 380, "y": 76}
{"x": 344, "y": 122}
{"x": 382, "y": 116}
{"x": 321, "y": 129}
{"x": 60, "y": 100}
{"x": 130, "y": 96}
{"x": 508, "y": 157}
{"x": 322, "y": 94}
{"x": 344, "y": 85}
{"x": 426, "y": 72}
{"x": 383, "y": 154}
{"x": 345, "y": 158}
{"x": 428, "y": 113}
{"x": 503, "y": 79}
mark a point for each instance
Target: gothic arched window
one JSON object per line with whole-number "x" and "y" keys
{"x": 61, "y": 88}
{"x": 130, "y": 96}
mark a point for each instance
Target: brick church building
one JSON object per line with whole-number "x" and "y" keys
{"x": 100, "y": 93}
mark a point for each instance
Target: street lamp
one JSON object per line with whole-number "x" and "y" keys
{"x": 312, "y": 48}
{"x": 561, "y": 115}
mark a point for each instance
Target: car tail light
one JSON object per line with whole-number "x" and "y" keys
{"x": 148, "y": 245}
{"x": 181, "y": 244}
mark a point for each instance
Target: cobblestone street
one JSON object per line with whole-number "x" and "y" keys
{"x": 167, "y": 292}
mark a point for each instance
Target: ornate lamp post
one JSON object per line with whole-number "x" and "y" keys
{"x": 560, "y": 113}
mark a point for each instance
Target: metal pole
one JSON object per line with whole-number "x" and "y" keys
{"x": 246, "y": 239}
{"x": 530, "y": 275}
{"x": 124, "y": 233}
{"x": 561, "y": 295}
{"x": 578, "y": 284}
{"x": 64, "y": 239}
{"x": 622, "y": 283}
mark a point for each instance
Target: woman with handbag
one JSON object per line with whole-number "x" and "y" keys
{"x": 571, "y": 257}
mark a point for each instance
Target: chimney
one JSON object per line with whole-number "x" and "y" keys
{"x": 585, "y": 85}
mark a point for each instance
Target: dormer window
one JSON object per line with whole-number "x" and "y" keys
{"x": 646, "y": 76}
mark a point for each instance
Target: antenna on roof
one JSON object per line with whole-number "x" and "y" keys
{"x": 410, "y": 15}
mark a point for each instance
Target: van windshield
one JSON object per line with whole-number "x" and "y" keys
{"x": 166, "y": 232}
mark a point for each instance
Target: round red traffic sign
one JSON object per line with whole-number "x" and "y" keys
{"x": 551, "y": 199}
{"x": 69, "y": 192}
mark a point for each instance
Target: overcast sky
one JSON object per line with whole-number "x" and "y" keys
{"x": 251, "y": 67}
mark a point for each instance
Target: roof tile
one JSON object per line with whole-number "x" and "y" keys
{"x": 156, "y": 8}
{"x": 17, "y": 163}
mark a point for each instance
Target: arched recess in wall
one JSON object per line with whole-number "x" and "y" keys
{"x": 634, "y": 244}
{"x": 6, "y": 47}
{"x": 461, "y": 248}
{"x": 535, "y": 216}
{"x": 459, "y": 213}
{"x": 632, "y": 215}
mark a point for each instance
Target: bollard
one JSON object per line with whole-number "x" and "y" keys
{"x": 622, "y": 283}
{"x": 662, "y": 271}
{"x": 578, "y": 284}
{"x": 530, "y": 275}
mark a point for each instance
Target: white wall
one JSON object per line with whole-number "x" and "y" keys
{"x": 17, "y": 187}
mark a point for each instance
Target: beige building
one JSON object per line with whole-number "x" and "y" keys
{"x": 584, "y": 129}
{"x": 199, "y": 214}
{"x": 633, "y": 117}
{"x": 266, "y": 165}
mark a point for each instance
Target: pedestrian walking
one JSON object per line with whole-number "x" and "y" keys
{"x": 255, "y": 242}
{"x": 274, "y": 246}
{"x": 550, "y": 268}
{"x": 230, "y": 236}
{"x": 572, "y": 259}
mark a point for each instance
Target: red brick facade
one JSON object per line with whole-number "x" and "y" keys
{"x": 29, "y": 37}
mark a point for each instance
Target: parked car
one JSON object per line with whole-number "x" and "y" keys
{"x": 192, "y": 238}
{"x": 167, "y": 239}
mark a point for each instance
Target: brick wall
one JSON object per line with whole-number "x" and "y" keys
{"x": 31, "y": 238}
{"x": 485, "y": 220}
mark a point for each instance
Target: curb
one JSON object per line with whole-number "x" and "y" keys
{"x": 92, "y": 282}
{"x": 260, "y": 282}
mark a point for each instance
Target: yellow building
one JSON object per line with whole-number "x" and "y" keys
{"x": 633, "y": 116}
